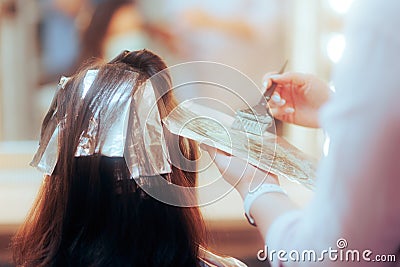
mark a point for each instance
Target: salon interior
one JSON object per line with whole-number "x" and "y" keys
{"x": 42, "y": 40}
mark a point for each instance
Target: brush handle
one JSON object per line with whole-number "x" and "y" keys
{"x": 269, "y": 91}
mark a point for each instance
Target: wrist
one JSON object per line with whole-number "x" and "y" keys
{"x": 252, "y": 196}
{"x": 244, "y": 187}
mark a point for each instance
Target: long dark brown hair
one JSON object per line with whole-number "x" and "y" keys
{"x": 89, "y": 212}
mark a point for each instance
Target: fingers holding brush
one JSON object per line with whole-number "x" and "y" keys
{"x": 297, "y": 97}
{"x": 280, "y": 108}
{"x": 281, "y": 111}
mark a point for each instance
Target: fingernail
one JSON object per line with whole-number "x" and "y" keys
{"x": 267, "y": 79}
{"x": 273, "y": 76}
{"x": 289, "y": 110}
{"x": 282, "y": 102}
{"x": 276, "y": 98}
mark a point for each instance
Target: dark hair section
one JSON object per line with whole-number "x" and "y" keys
{"x": 90, "y": 212}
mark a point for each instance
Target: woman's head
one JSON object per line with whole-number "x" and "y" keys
{"x": 89, "y": 211}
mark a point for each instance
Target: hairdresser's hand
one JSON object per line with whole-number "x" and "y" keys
{"x": 239, "y": 173}
{"x": 245, "y": 177}
{"x": 297, "y": 98}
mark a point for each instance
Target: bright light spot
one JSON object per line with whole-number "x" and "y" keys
{"x": 335, "y": 47}
{"x": 326, "y": 145}
{"x": 340, "y": 6}
{"x": 332, "y": 87}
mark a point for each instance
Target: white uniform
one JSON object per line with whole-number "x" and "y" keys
{"x": 358, "y": 189}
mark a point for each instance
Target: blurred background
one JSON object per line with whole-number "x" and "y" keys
{"x": 40, "y": 40}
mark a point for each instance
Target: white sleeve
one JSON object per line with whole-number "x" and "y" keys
{"x": 357, "y": 196}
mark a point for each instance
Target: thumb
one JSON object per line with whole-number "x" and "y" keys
{"x": 266, "y": 80}
{"x": 220, "y": 158}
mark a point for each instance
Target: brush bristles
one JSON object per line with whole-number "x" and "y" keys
{"x": 248, "y": 114}
{"x": 251, "y": 123}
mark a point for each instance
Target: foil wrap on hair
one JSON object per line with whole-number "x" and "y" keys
{"x": 127, "y": 125}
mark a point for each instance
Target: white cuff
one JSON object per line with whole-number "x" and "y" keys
{"x": 253, "y": 195}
